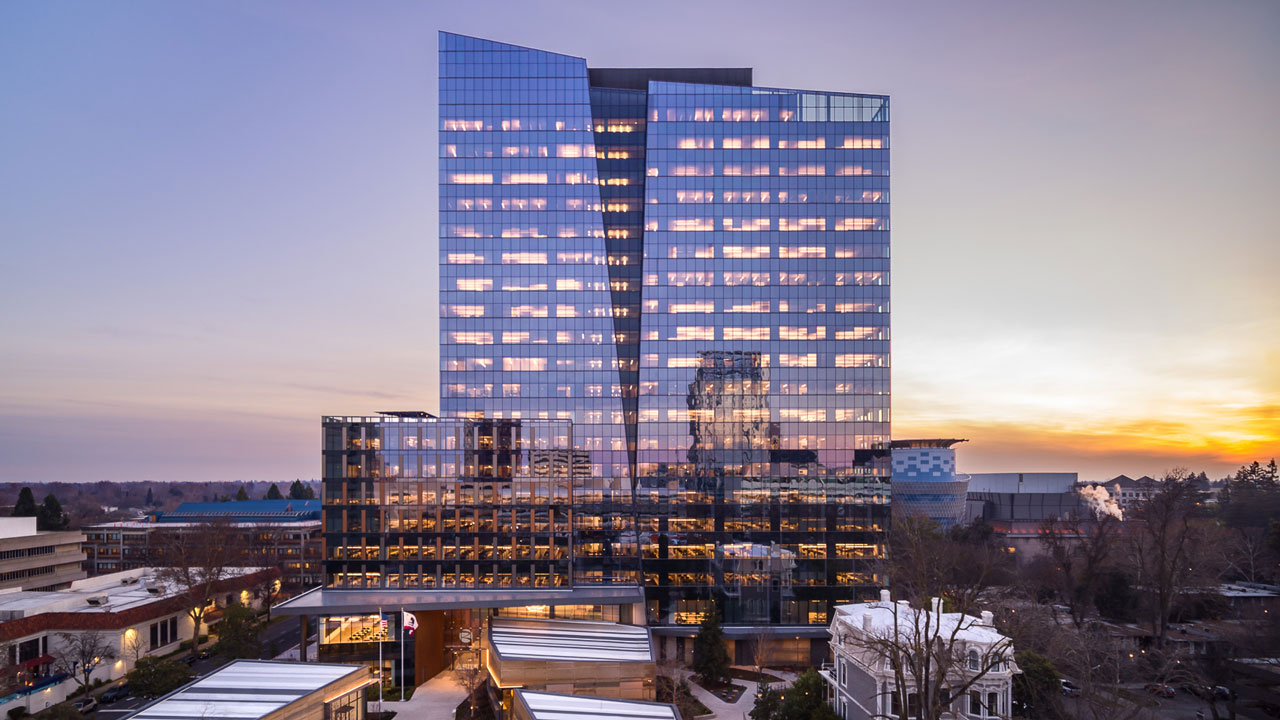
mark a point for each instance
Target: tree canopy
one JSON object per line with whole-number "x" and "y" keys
{"x": 26, "y": 505}
{"x": 710, "y": 658}
{"x": 153, "y": 676}
{"x": 273, "y": 493}
{"x": 805, "y": 699}
{"x": 238, "y": 633}
{"x": 50, "y": 515}
{"x": 300, "y": 491}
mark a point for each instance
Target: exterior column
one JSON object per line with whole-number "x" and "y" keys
{"x": 428, "y": 645}
{"x": 302, "y": 645}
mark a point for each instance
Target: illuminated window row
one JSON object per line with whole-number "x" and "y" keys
{"x": 577, "y": 257}
{"x": 541, "y": 390}
{"x": 538, "y": 337}
{"x": 588, "y": 229}
{"x": 763, "y": 279}
{"x": 785, "y": 360}
{"x": 489, "y": 150}
{"x": 504, "y": 310}
{"x": 521, "y": 178}
{"x": 522, "y": 204}
{"x": 765, "y": 197}
{"x": 762, "y": 170}
{"x": 557, "y": 121}
{"x": 765, "y": 142}
{"x": 765, "y": 224}
{"x": 759, "y": 252}
{"x": 675, "y": 307}
{"x": 782, "y": 279}
{"x": 818, "y": 386}
{"x": 728, "y": 114}
{"x": 784, "y": 332}
{"x": 533, "y": 364}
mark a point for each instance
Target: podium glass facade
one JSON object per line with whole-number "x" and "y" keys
{"x": 693, "y": 274}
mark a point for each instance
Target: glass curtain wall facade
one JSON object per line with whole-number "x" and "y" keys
{"x": 694, "y": 273}
{"x": 449, "y": 503}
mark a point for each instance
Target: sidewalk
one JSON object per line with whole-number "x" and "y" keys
{"x": 722, "y": 710}
{"x": 433, "y": 700}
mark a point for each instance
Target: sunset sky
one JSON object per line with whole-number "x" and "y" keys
{"x": 219, "y": 219}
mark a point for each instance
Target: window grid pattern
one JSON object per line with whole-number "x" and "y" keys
{"x": 764, "y": 363}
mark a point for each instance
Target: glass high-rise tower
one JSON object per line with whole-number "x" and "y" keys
{"x": 694, "y": 272}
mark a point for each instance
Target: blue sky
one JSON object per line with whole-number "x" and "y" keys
{"x": 219, "y": 219}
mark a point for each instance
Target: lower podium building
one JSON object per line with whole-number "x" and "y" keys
{"x": 569, "y": 657}
{"x": 555, "y": 706}
{"x": 266, "y": 690}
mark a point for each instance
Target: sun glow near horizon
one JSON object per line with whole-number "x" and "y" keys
{"x": 1159, "y": 403}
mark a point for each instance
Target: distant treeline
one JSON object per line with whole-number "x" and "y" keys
{"x": 89, "y": 503}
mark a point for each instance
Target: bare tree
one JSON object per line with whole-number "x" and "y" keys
{"x": 133, "y": 646}
{"x": 959, "y": 567}
{"x": 195, "y": 563}
{"x": 268, "y": 591}
{"x": 470, "y": 675}
{"x": 933, "y": 656}
{"x": 761, "y": 651}
{"x": 1246, "y": 552}
{"x": 671, "y": 677}
{"x": 1081, "y": 550}
{"x": 1097, "y": 663}
{"x": 79, "y": 654}
{"x": 1165, "y": 546}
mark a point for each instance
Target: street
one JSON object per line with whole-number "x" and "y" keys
{"x": 281, "y": 636}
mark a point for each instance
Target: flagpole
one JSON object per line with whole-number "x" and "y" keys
{"x": 380, "y": 683}
{"x": 402, "y": 641}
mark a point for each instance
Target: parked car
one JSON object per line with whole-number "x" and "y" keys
{"x": 1160, "y": 690}
{"x": 115, "y": 694}
{"x": 85, "y": 705}
{"x": 1203, "y": 692}
{"x": 1070, "y": 689}
{"x": 1221, "y": 693}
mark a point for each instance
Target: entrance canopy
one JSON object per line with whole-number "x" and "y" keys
{"x": 333, "y": 601}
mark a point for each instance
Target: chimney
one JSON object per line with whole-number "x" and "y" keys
{"x": 866, "y": 622}
{"x": 884, "y": 596}
{"x": 988, "y": 618}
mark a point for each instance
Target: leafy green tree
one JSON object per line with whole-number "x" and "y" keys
{"x": 1039, "y": 688}
{"x": 710, "y": 658}
{"x": 153, "y": 676}
{"x": 806, "y": 699}
{"x": 238, "y": 633}
{"x": 26, "y": 505}
{"x": 273, "y": 493}
{"x": 300, "y": 491}
{"x": 768, "y": 704}
{"x": 50, "y": 515}
{"x": 242, "y": 494}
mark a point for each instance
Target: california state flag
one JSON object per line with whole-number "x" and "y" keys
{"x": 410, "y": 623}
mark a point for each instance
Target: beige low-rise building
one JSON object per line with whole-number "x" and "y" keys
{"x": 32, "y": 559}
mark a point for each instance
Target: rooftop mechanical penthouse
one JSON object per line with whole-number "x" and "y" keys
{"x": 693, "y": 273}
